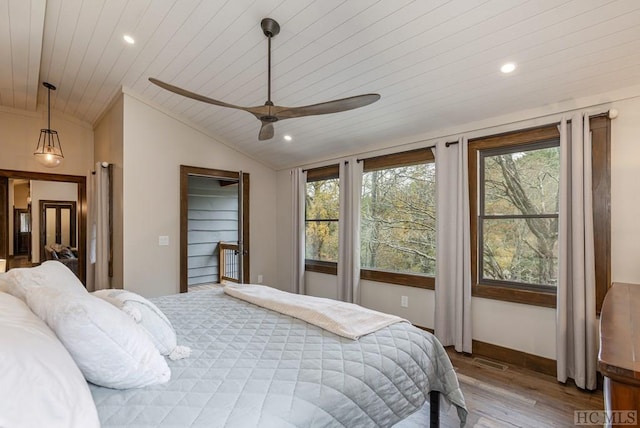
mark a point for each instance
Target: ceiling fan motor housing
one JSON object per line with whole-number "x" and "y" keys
{"x": 270, "y": 27}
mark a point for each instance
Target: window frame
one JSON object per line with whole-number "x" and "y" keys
{"x": 395, "y": 160}
{"x": 318, "y": 174}
{"x": 482, "y": 154}
{"x": 600, "y": 126}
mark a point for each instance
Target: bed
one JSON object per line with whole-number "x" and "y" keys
{"x": 252, "y": 367}
{"x": 248, "y": 366}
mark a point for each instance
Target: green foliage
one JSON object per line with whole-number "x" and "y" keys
{"x": 322, "y": 210}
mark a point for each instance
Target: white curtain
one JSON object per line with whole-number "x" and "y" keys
{"x": 99, "y": 247}
{"x": 298, "y": 195}
{"x": 452, "y": 322}
{"x": 349, "y": 231}
{"x": 576, "y": 319}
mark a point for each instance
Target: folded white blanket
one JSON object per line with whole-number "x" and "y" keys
{"x": 344, "y": 319}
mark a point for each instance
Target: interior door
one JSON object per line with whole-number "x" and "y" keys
{"x": 200, "y": 242}
{"x": 4, "y": 217}
{"x": 57, "y": 224}
{"x": 21, "y": 231}
{"x": 241, "y": 251}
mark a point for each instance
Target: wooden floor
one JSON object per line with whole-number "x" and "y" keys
{"x": 516, "y": 397}
{"x": 206, "y": 286}
{"x": 18, "y": 262}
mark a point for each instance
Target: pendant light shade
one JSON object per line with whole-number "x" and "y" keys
{"x": 49, "y": 151}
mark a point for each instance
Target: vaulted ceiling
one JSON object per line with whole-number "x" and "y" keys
{"x": 435, "y": 63}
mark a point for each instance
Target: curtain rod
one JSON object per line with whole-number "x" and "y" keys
{"x": 611, "y": 114}
{"x": 325, "y": 166}
{"x": 102, "y": 164}
{"x": 447, "y": 144}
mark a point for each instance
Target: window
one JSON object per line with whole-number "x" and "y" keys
{"x": 518, "y": 216}
{"x": 398, "y": 226}
{"x": 321, "y": 219}
{"x": 513, "y": 186}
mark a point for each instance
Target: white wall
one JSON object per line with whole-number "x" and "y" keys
{"x": 108, "y": 137}
{"x": 20, "y": 132}
{"x": 625, "y": 192}
{"x": 155, "y": 145}
{"x": 530, "y": 329}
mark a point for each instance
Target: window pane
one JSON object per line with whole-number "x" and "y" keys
{"x": 398, "y": 226}
{"x": 323, "y": 199}
{"x": 24, "y": 222}
{"x": 524, "y": 182}
{"x": 50, "y": 235}
{"x": 322, "y": 241}
{"x": 322, "y": 203}
{"x": 521, "y": 250}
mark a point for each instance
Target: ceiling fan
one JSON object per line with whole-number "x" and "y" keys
{"x": 270, "y": 113}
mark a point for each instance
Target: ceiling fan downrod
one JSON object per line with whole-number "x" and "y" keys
{"x": 270, "y": 28}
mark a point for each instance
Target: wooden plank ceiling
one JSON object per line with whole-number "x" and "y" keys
{"x": 435, "y": 63}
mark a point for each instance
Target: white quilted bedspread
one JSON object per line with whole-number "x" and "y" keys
{"x": 251, "y": 367}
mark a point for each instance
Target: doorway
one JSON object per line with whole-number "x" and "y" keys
{"x": 22, "y": 231}
{"x": 57, "y": 225}
{"x": 48, "y": 186}
{"x": 214, "y": 226}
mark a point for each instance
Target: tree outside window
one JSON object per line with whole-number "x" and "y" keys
{"x": 398, "y": 223}
{"x": 518, "y": 215}
{"x": 513, "y": 187}
{"x": 321, "y": 220}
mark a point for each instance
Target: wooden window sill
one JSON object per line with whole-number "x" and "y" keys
{"x": 515, "y": 295}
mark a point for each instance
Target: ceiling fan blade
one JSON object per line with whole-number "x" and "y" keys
{"x": 334, "y": 106}
{"x": 193, "y": 95}
{"x": 266, "y": 131}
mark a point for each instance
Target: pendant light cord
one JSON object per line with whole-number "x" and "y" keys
{"x": 48, "y": 108}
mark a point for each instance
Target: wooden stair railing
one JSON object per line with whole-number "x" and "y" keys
{"x": 228, "y": 262}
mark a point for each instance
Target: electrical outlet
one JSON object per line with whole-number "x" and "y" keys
{"x": 404, "y": 301}
{"x": 259, "y": 279}
{"x": 163, "y": 240}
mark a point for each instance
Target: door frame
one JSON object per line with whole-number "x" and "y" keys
{"x": 81, "y": 181}
{"x": 185, "y": 172}
{"x": 16, "y": 229}
{"x": 44, "y": 204}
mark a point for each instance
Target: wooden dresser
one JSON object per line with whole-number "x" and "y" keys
{"x": 619, "y": 358}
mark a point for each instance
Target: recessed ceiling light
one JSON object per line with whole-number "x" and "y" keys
{"x": 127, "y": 38}
{"x": 288, "y": 137}
{"x": 508, "y": 67}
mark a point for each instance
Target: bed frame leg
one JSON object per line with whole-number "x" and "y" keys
{"x": 434, "y": 409}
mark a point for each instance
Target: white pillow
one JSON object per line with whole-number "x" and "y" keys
{"x": 40, "y": 385}
{"x": 150, "y": 317}
{"x": 49, "y": 274}
{"x": 108, "y": 346}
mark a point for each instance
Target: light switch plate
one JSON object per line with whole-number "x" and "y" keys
{"x": 163, "y": 240}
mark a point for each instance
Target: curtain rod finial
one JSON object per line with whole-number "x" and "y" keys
{"x": 613, "y": 113}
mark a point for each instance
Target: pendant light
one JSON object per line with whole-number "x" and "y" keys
{"x": 49, "y": 151}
